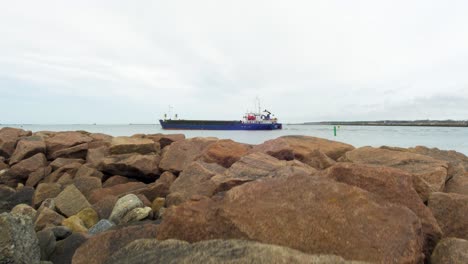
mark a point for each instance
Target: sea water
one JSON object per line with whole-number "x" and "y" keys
{"x": 446, "y": 138}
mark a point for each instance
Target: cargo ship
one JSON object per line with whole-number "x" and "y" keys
{"x": 251, "y": 121}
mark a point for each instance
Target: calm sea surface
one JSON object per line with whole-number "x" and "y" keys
{"x": 446, "y": 138}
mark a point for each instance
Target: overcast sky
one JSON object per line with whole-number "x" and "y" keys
{"x": 127, "y": 61}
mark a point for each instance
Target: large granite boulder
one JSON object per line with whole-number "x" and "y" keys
{"x": 8, "y": 139}
{"x": 68, "y": 169}
{"x": 18, "y": 241}
{"x": 194, "y": 180}
{"x": 429, "y": 171}
{"x": 125, "y": 145}
{"x": 86, "y": 185}
{"x": 450, "y": 250}
{"x": 312, "y": 214}
{"x": 392, "y": 185}
{"x": 95, "y": 155}
{"x": 105, "y": 205}
{"x": 225, "y": 152}
{"x": 165, "y": 140}
{"x": 21, "y": 171}
{"x": 61, "y": 141}
{"x": 27, "y": 147}
{"x": 99, "y": 247}
{"x": 213, "y": 252}
{"x": 38, "y": 176}
{"x": 60, "y": 162}
{"x": 451, "y": 211}
{"x": 76, "y": 152}
{"x": 303, "y": 145}
{"x": 70, "y": 201}
{"x": 144, "y": 167}
{"x": 116, "y": 190}
{"x": 278, "y": 148}
{"x": 180, "y": 154}
{"x": 457, "y": 172}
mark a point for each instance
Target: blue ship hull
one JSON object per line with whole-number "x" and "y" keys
{"x": 217, "y": 125}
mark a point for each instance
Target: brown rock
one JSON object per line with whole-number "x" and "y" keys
{"x": 258, "y": 166}
{"x": 87, "y": 171}
{"x": 225, "y": 152}
{"x": 144, "y": 167}
{"x": 180, "y": 154}
{"x": 101, "y": 246}
{"x": 44, "y": 191}
{"x": 3, "y": 165}
{"x": 70, "y": 201}
{"x": 160, "y": 188}
{"x": 278, "y": 148}
{"x": 309, "y": 213}
{"x": 391, "y": 185}
{"x": 60, "y": 162}
{"x": 303, "y": 145}
{"x": 104, "y": 206}
{"x": 165, "y": 140}
{"x": 75, "y": 152}
{"x": 25, "y": 167}
{"x": 144, "y": 200}
{"x": 38, "y": 176}
{"x": 457, "y": 181}
{"x": 65, "y": 140}
{"x": 87, "y": 184}
{"x": 450, "y": 250}
{"x": 69, "y": 169}
{"x": 66, "y": 179}
{"x": 27, "y": 147}
{"x": 95, "y": 155}
{"x": 116, "y": 190}
{"x": 114, "y": 180}
{"x": 125, "y": 145}
{"x": 451, "y": 211}
{"x": 8, "y": 139}
{"x": 432, "y": 171}
{"x": 194, "y": 180}
{"x": 215, "y": 251}
{"x": 47, "y": 218}
{"x": 100, "y": 140}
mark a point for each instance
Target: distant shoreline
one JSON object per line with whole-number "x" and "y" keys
{"x": 417, "y": 123}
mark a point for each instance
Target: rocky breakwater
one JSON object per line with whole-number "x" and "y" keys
{"x": 78, "y": 197}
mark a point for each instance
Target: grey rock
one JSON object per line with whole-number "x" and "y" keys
{"x": 65, "y": 249}
{"x": 214, "y": 251}
{"x": 18, "y": 241}
{"x": 47, "y": 243}
{"x": 450, "y": 250}
{"x": 13, "y": 198}
{"x": 61, "y": 232}
{"x": 123, "y": 206}
{"x": 24, "y": 210}
{"x": 101, "y": 226}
